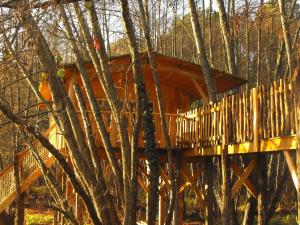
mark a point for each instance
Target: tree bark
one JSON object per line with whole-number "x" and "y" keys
{"x": 209, "y": 81}
{"x": 147, "y": 119}
{"x": 286, "y": 35}
{"x": 224, "y": 23}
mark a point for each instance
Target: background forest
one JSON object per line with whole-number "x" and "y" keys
{"x": 255, "y": 40}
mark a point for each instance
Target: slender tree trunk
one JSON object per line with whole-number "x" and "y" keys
{"x": 258, "y": 64}
{"x": 286, "y": 35}
{"x": 144, "y": 16}
{"x": 147, "y": 118}
{"x": 209, "y": 81}
{"x": 262, "y": 190}
{"x": 224, "y": 23}
{"x": 296, "y": 81}
{"x": 209, "y": 194}
{"x": 249, "y": 216}
{"x": 225, "y": 168}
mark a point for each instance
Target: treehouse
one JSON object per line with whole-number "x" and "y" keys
{"x": 181, "y": 83}
{"x": 258, "y": 120}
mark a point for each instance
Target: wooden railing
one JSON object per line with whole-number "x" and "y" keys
{"x": 27, "y": 166}
{"x": 171, "y": 119}
{"x": 261, "y": 113}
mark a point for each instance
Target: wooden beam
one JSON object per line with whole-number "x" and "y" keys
{"x": 184, "y": 186}
{"x": 186, "y": 175}
{"x": 266, "y": 145}
{"x": 143, "y": 184}
{"x": 200, "y": 90}
{"x": 165, "y": 178}
{"x": 242, "y": 178}
{"x": 246, "y": 182}
{"x": 292, "y": 168}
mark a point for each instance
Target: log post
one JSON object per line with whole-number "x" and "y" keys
{"x": 178, "y": 210}
{"x": 208, "y": 176}
{"x": 162, "y": 209}
{"x": 255, "y": 118}
{"x": 297, "y": 100}
{"x": 225, "y": 166}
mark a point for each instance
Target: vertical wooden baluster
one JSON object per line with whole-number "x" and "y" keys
{"x": 265, "y": 107}
{"x": 215, "y": 123}
{"x": 255, "y": 119}
{"x": 272, "y": 106}
{"x": 268, "y": 99}
{"x": 276, "y": 103}
{"x": 260, "y": 112}
{"x": 209, "y": 124}
{"x": 249, "y": 117}
{"x": 287, "y": 127}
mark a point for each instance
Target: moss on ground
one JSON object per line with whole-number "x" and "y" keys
{"x": 280, "y": 219}
{"x": 34, "y": 217}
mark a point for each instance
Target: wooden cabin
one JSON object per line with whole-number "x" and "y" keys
{"x": 182, "y": 83}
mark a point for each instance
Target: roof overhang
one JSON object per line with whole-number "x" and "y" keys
{"x": 180, "y": 74}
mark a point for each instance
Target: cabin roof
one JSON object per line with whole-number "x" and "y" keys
{"x": 173, "y": 72}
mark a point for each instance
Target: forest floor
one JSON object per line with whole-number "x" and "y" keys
{"x": 45, "y": 217}
{"x": 37, "y": 214}
{"x": 38, "y": 217}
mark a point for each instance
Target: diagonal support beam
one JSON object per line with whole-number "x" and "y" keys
{"x": 184, "y": 186}
{"x": 165, "y": 178}
{"x": 187, "y": 176}
{"x": 292, "y": 168}
{"x": 243, "y": 178}
{"x": 143, "y": 184}
{"x": 200, "y": 90}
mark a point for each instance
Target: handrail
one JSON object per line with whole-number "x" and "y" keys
{"x": 27, "y": 165}
{"x": 22, "y": 154}
{"x": 259, "y": 113}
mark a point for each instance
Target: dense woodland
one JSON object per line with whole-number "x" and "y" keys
{"x": 255, "y": 40}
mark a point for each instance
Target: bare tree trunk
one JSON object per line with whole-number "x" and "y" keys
{"x": 249, "y": 215}
{"x": 224, "y": 23}
{"x": 209, "y": 194}
{"x": 296, "y": 82}
{"x": 210, "y": 83}
{"x": 147, "y": 119}
{"x": 286, "y": 35}
{"x": 262, "y": 187}
{"x": 258, "y": 64}
{"x": 145, "y": 24}
{"x": 225, "y": 168}
{"x": 211, "y": 55}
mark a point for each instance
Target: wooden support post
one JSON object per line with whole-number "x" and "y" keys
{"x": 55, "y": 217}
{"x": 256, "y": 146}
{"x": 292, "y": 168}
{"x": 261, "y": 183}
{"x": 209, "y": 195}
{"x": 296, "y": 78}
{"x": 225, "y": 166}
{"x": 178, "y": 210}
{"x": 162, "y": 208}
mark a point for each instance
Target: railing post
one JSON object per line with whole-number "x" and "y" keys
{"x": 255, "y": 120}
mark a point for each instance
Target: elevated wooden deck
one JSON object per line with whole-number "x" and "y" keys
{"x": 256, "y": 121}
{"x": 262, "y": 119}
